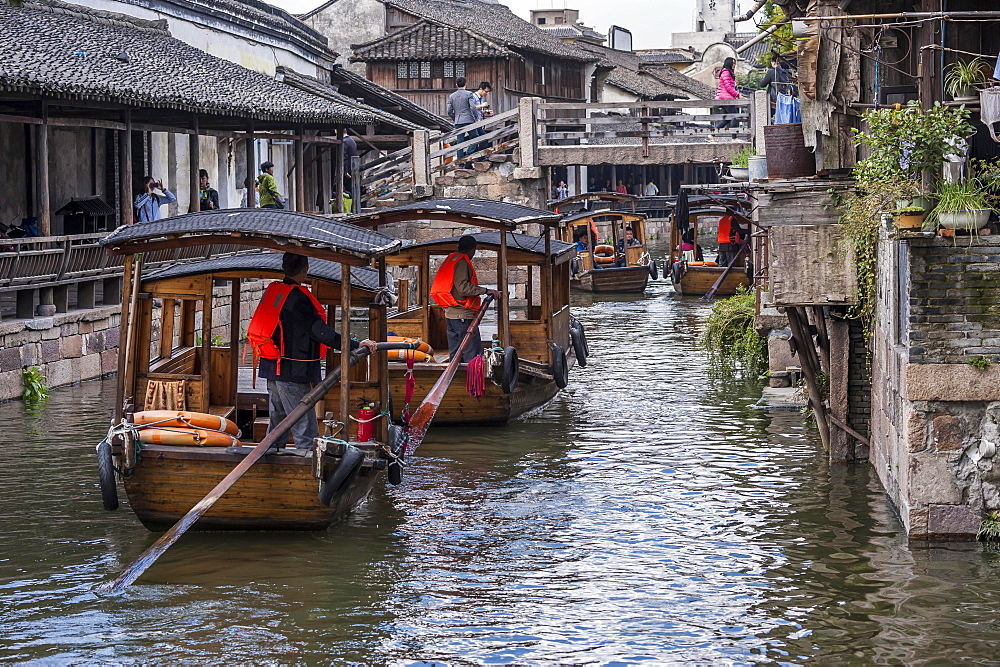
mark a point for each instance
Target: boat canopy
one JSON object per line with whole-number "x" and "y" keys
{"x": 474, "y": 212}
{"x": 592, "y": 196}
{"x": 627, "y": 216}
{"x": 521, "y": 248}
{"x": 268, "y": 265}
{"x": 302, "y": 233}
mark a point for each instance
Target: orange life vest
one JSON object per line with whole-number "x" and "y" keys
{"x": 267, "y": 319}
{"x": 726, "y": 232}
{"x": 444, "y": 281}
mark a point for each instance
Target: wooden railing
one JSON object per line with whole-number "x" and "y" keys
{"x": 28, "y": 263}
{"x": 641, "y": 123}
{"x": 387, "y": 175}
{"x": 499, "y": 134}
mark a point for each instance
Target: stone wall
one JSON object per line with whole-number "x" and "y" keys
{"x": 935, "y": 417}
{"x": 83, "y": 344}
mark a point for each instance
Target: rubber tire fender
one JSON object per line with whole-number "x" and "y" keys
{"x": 675, "y": 274}
{"x": 577, "y": 324}
{"x": 106, "y": 473}
{"x": 653, "y": 272}
{"x": 560, "y": 367}
{"x": 579, "y": 341}
{"x": 394, "y": 471}
{"x": 511, "y": 370}
{"x": 339, "y": 481}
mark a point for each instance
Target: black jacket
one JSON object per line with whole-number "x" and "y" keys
{"x": 304, "y": 331}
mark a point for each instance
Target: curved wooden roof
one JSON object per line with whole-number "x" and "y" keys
{"x": 472, "y": 212}
{"x": 604, "y": 213}
{"x": 592, "y": 196}
{"x": 521, "y": 248}
{"x": 305, "y": 234}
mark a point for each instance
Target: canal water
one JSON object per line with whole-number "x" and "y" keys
{"x": 651, "y": 513}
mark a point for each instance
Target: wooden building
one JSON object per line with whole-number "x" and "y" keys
{"x": 425, "y": 45}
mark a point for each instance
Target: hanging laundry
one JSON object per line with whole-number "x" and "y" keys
{"x": 787, "y": 109}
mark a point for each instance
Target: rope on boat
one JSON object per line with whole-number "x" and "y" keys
{"x": 123, "y": 429}
{"x": 366, "y": 421}
{"x": 475, "y": 377}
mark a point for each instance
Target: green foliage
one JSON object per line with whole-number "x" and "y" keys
{"x": 909, "y": 210}
{"x": 962, "y": 75}
{"x": 981, "y": 363}
{"x": 989, "y": 529}
{"x": 909, "y": 140}
{"x": 781, "y": 40}
{"x": 730, "y": 336}
{"x": 751, "y": 79}
{"x": 35, "y": 389}
{"x": 742, "y": 159}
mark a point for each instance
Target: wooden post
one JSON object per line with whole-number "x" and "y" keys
{"x": 194, "y": 162}
{"x": 125, "y": 175}
{"x": 325, "y": 170}
{"x": 503, "y": 307}
{"x": 167, "y": 311}
{"x": 234, "y": 340}
{"x": 251, "y": 165}
{"x": 614, "y": 178}
{"x": 379, "y": 364}
{"x": 43, "y": 210}
{"x": 345, "y": 346}
{"x": 206, "y": 349}
{"x": 300, "y": 170}
{"x": 338, "y": 174}
{"x": 355, "y": 184}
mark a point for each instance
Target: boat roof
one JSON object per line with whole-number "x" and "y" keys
{"x": 302, "y": 233}
{"x": 266, "y": 263}
{"x": 559, "y": 251}
{"x": 474, "y": 212}
{"x": 593, "y": 196}
{"x": 582, "y": 215}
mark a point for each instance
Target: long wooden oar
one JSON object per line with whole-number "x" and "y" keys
{"x": 710, "y": 294}
{"x": 149, "y": 556}
{"x": 421, "y": 419}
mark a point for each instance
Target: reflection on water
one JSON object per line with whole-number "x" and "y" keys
{"x": 649, "y": 513}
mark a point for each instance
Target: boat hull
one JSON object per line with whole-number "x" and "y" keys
{"x": 279, "y": 492}
{"x": 494, "y": 408}
{"x": 625, "y": 279}
{"x": 698, "y": 280}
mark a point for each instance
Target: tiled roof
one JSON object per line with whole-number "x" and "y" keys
{"x": 138, "y": 63}
{"x": 427, "y": 41}
{"x": 736, "y": 40}
{"x": 492, "y": 22}
{"x": 314, "y": 86}
{"x": 356, "y": 86}
{"x": 665, "y": 56}
{"x": 573, "y": 31}
{"x": 628, "y": 73}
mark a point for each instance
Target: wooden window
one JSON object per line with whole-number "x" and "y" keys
{"x": 401, "y": 70}
{"x": 459, "y": 68}
{"x": 414, "y": 70}
{"x": 425, "y": 69}
{"x": 437, "y": 69}
{"x": 449, "y": 69}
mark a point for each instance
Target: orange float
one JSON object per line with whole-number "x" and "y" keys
{"x": 416, "y": 355}
{"x": 604, "y": 254}
{"x": 185, "y": 419}
{"x": 423, "y": 346}
{"x": 186, "y": 436}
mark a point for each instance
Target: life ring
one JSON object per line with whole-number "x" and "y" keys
{"x": 184, "y": 419}
{"x": 416, "y": 355}
{"x": 396, "y": 443}
{"x": 339, "y": 480}
{"x": 560, "y": 367}
{"x": 186, "y": 437}
{"x": 511, "y": 370}
{"x": 106, "y": 474}
{"x": 423, "y": 345}
{"x": 604, "y": 254}
{"x": 653, "y": 273}
{"x": 579, "y": 341}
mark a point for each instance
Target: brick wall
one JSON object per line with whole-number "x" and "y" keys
{"x": 859, "y": 386}
{"x": 954, "y": 300}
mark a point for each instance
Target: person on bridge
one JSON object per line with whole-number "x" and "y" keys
{"x": 290, "y": 336}
{"x": 651, "y": 189}
{"x": 457, "y": 289}
{"x": 727, "y": 91}
{"x": 462, "y": 111}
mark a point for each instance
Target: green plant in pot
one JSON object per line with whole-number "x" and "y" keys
{"x": 740, "y": 164}
{"x": 909, "y": 217}
{"x": 963, "y": 205}
{"x": 961, "y": 78}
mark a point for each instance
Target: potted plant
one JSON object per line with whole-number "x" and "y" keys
{"x": 963, "y": 76}
{"x": 740, "y": 164}
{"x": 909, "y": 217}
{"x": 962, "y": 205}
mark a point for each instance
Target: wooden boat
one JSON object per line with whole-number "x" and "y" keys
{"x": 606, "y": 268}
{"x": 692, "y": 276}
{"x": 540, "y": 342}
{"x": 193, "y": 365}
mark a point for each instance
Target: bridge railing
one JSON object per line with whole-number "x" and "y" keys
{"x": 641, "y": 123}
{"x": 389, "y": 174}
{"x": 496, "y": 134}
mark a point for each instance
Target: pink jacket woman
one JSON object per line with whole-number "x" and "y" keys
{"x": 727, "y": 86}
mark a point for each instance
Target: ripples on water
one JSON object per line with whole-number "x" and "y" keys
{"x": 649, "y": 514}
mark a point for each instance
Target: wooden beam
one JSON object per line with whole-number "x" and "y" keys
{"x": 338, "y": 173}
{"x": 503, "y": 306}
{"x": 194, "y": 162}
{"x": 125, "y": 170}
{"x": 251, "y": 166}
{"x": 43, "y": 205}
{"x": 345, "y": 349}
{"x": 300, "y": 172}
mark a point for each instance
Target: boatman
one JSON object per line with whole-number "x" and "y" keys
{"x": 456, "y": 287}
{"x": 289, "y": 333}
{"x": 730, "y": 239}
